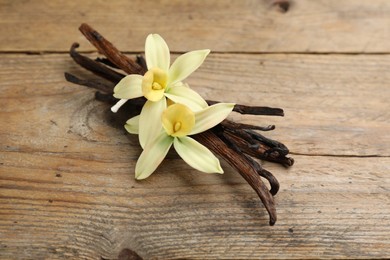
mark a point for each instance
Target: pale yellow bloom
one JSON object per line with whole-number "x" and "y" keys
{"x": 178, "y": 121}
{"x": 160, "y": 82}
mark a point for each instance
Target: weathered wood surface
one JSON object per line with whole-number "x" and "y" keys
{"x": 67, "y": 187}
{"x": 233, "y": 26}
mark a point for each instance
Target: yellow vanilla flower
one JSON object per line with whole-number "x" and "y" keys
{"x": 160, "y": 82}
{"x": 178, "y": 121}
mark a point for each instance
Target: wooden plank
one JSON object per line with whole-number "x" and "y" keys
{"x": 334, "y": 105}
{"x": 58, "y": 205}
{"x": 356, "y": 26}
{"x": 66, "y": 166}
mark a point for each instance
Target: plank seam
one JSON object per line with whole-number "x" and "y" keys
{"x": 341, "y": 155}
{"x": 213, "y": 52}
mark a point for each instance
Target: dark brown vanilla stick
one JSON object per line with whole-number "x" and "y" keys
{"x": 243, "y": 166}
{"x": 256, "y": 166}
{"x": 234, "y": 125}
{"x": 94, "y": 66}
{"x": 234, "y": 142}
{"x": 89, "y": 83}
{"x": 108, "y": 49}
{"x": 259, "y": 147}
{"x": 255, "y": 110}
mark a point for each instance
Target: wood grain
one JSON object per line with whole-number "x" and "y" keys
{"x": 67, "y": 188}
{"x": 180, "y": 213}
{"x": 356, "y": 26}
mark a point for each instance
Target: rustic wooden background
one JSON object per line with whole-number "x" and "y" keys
{"x": 67, "y": 187}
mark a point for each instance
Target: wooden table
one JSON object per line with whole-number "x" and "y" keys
{"x": 67, "y": 166}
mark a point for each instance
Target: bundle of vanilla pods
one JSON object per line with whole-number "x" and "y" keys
{"x": 238, "y": 144}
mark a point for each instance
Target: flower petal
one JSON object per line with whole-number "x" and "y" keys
{"x": 179, "y": 84}
{"x": 132, "y": 125}
{"x": 186, "y": 96}
{"x": 185, "y": 64}
{"x": 211, "y": 116}
{"x": 150, "y": 121}
{"x": 152, "y": 156}
{"x": 197, "y": 155}
{"x": 129, "y": 87}
{"x": 157, "y": 52}
{"x": 118, "y": 104}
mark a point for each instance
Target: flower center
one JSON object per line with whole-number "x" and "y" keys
{"x": 178, "y": 120}
{"x": 154, "y": 83}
